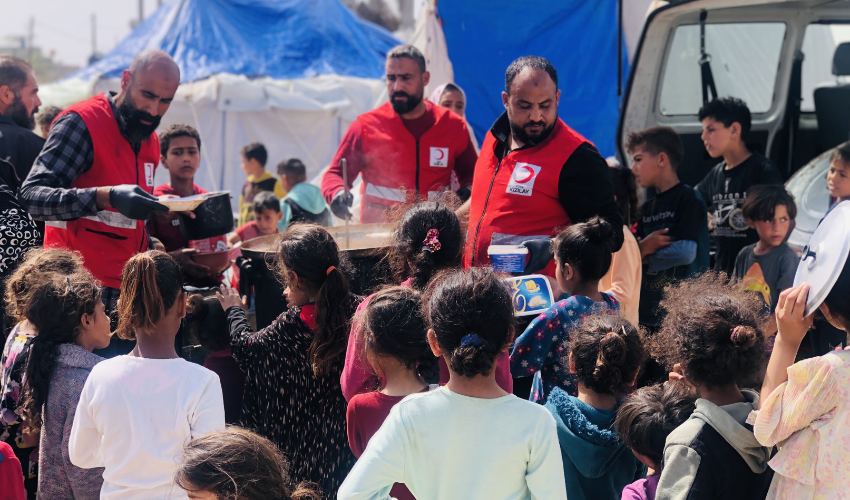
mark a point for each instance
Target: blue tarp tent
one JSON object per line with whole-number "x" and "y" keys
{"x": 281, "y": 39}
{"x": 579, "y": 37}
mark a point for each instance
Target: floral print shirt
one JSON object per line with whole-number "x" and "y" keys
{"x": 12, "y": 370}
{"x": 808, "y": 419}
{"x": 540, "y": 349}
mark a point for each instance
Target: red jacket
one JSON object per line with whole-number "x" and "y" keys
{"x": 516, "y": 198}
{"x": 397, "y": 164}
{"x": 107, "y": 240}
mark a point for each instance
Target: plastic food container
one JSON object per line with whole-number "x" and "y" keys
{"x": 507, "y": 258}
{"x": 530, "y": 294}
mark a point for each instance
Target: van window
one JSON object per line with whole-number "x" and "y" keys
{"x": 819, "y": 46}
{"x": 744, "y": 62}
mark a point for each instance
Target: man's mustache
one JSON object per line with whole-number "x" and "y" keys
{"x": 400, "y": 94}
{"x": 534, "y": 124}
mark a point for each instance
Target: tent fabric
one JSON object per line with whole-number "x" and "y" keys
{"x": 578, "y": 37}
{"x": 430, "y": 40}
{"x": 282, "y": 39}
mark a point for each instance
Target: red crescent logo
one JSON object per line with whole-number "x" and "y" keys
{"x": 440, "y": 154}
{"x": 523, "y": 174}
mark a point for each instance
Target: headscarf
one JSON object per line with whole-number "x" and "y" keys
{"x": 437, "y": 94}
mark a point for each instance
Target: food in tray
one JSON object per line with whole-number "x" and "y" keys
{"x": 184, "y": 204}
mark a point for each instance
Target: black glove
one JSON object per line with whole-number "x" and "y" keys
{"x": 464, "y": 192}
{"x": 341, "y": 204}
{"x": 539, "y": 254}
{"x": 134, "y": 202}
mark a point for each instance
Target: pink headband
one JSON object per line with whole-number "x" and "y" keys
{"x": 734, "y": 332}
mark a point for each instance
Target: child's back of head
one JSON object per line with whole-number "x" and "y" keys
{"x": 606, "y": 353}
{"x": 711, "y": 330}
{"x": 294, "y": 170}
{"x": 649, "y": 415}
{"x": 151, "y": 283}
{"x": 235, "y": 463}
{"x": 395, "y": 326}
{"x": 30, "y": 274}
{"x": 428, "y": 239}
{"x": 310, "y": 252}
{"x": 471, "y": 314}
{"x": 625, "y": 190}
{"x": 587, "y": 247}
{"x": 207, "y": 321}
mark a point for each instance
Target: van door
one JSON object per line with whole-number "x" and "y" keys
{"x": 750, "y": 47}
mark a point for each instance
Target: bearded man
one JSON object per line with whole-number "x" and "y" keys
{"x": 535, "y": 176}
{"x": 19, "y": 103}
{"x": 405, "y": 149}
{"x": 93, "y": 179}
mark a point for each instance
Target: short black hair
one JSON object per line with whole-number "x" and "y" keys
{"x": 175, "y": 131}
{"x": 842, "y": 153}
{"x": 728, "y": 110}
{"x": 535, "y": 62}
{"x": 292, "y": 168}
{"x": 266, "y": 200}
{"x": 255, "y": 151}
{"x": 14, "y": 72}
{"x": 763, "y": 199}
{"x": 410, "y": 52}
{"x": 651, "y": 413}
{"x": 659, "y": 140}
{"x": 47, "y": 115}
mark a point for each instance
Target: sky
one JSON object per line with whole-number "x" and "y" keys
{"x": 64, "y": 26}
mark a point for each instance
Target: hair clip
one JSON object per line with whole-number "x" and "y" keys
{"x": 471, "y": 340}
{"x": 328, "y": 272}
{"x": 432, "y": 244}
{"x": 610, "y": 333}
{"x": 70, "y": 285}
{"x": 734, "y": 332}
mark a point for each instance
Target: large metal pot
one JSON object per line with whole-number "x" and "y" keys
{"x": 213, "y": 217}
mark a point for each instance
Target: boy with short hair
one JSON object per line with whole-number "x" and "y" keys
{"x": 254, "y": 158}
{"x": 726, "y": 123}
{"x": 769, "y": 265}
{"x": 303, "y": 201}
{"x": 838, "y": 176}
{"x": 266, "y": 210}
{"x": 180, "y": 149}
{"x": 669, "y": 224}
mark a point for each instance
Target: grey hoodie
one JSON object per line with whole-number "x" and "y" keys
{"x": 714, "y": 454}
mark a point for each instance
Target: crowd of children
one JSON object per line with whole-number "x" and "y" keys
{"x": 652, "y": 377}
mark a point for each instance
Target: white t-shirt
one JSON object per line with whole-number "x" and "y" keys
{"x": 441, "y": 444}
{"x": 134, "y": 417}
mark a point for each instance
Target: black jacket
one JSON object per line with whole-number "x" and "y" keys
{"x": 20, "y": 147}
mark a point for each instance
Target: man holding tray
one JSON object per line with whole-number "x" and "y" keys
{"x": 93, "y": 180}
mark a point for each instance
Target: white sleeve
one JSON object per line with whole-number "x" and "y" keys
{"x": 381, "y": 464}
{"x": 545, "y": 473}
{"x": 84, "y": 444}
{"x": 208, "y": 414}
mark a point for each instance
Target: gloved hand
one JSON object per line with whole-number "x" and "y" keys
{"x": 134, "y": 202}
{"x": 464, "y": 193}
{"x": 341, "y": 203}
{"x": 539, "y": 254}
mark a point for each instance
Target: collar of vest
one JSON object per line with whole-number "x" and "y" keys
{"x": 501, "y": 130}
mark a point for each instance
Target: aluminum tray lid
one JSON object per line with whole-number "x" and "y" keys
{"x": 824, "y": 257}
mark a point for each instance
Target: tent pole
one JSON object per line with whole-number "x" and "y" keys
{"x": 223, "y": 150}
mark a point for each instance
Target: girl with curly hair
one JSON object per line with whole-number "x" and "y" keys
{"x": 711, "y": 338}
{"x": 71, "y": 321}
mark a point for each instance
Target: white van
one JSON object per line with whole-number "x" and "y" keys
{"x": 788, "y": 60}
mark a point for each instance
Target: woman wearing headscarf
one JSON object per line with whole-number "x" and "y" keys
{"x": 450, "y": 95}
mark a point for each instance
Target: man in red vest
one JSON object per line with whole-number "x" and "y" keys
{"x": 535, "y": 175}
{"x": 407, "y": 146}
{"x": 93, "y": 179}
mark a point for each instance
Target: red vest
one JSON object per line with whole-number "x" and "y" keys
{"x": 396, "y": 163}
{"x": 107, "y": 240}
{"x": 517, "y": 198}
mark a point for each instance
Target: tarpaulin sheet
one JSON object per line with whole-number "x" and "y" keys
{"x": 282, "y": 39}
{"x": 579, "y": 37}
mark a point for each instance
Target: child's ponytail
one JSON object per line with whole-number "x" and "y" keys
{"x": 55, "y": 308}
{"x": 606, "y": 353}
{"x": 394, "y": 325}
{"x": 587, "y": 247}
{"x": 311, "y": 253}
{"x": 427, "y": 240}
{"x": 472, "y": 316}
{"x": 150, "y": 284}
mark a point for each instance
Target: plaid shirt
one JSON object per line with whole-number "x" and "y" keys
{"x": 68, "y": 153}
